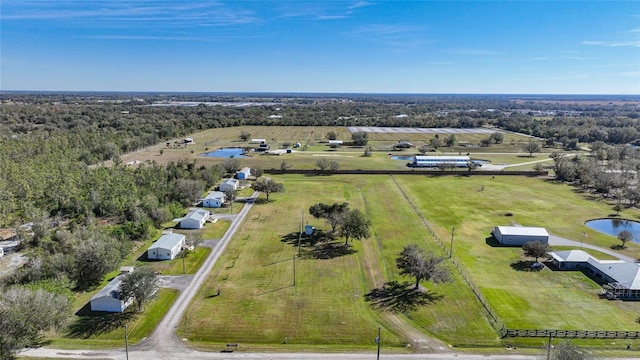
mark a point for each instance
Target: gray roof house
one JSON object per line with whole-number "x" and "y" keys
{"x": 621, "y": 279}
{"x": 214, "y": 199}
{"x": 166, "y": 247}
{"x": 195, "y": 219}
{"x": 229, "y": 184}
{"x": 108, "y": 299}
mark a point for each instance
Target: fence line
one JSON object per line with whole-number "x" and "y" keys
{"x": 573, "y": 334}
{"x": 423, "y": 172}
{"x": 500, "y": 329}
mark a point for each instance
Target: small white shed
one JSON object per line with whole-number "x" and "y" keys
{"x": 214, "y": 199}
{"x": 167, "y": 247}
{"x": 108, "y": 299}
{"x": 243, "y": 174}
{"x": 229, "y": 184}
{"x": 195, "y": 219}
{"x": 519, "y": 235}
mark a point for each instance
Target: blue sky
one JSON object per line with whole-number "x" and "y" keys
{"x": 522, "y": 47}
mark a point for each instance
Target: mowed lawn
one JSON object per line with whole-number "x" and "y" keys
{"x": 258, "y": 303}
{"x": 521, "y": 299}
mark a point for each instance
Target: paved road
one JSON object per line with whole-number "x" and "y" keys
{"x": 556, "y": 240}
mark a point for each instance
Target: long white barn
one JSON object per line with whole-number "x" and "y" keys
{"x": 435, "y": 161}
{"x": 519, "y": 235}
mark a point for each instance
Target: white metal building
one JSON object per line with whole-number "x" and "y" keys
{"x": 195, "y": 219}
{"x": 244, "y": 173}
{"x": 214, "y": 199}
{"x": 167, "y": 247}
{"x": 108, "y": 299}
{"x": 435, "y": 161}
{"x": 519, "y": 235}
{"x": 229, "y": 184}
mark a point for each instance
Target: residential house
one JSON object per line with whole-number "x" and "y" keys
{"x": 229, "y": 184}
{"x": 167, "y": 247}
{"x": 109, "y": 299}
{"x": 214, "y": 199}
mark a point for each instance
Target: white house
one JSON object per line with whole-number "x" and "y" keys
{"x": 519, "y": 235}
{"x": 243, "y": 174}
{"x": 108, "y": 299}
{"x": 195, "y": 219}
{"x": 214, "y": 199}
{"x": 167, "y": 247}
{"x": 621, "y": 279}
{"x": 229, "y": 184}
{"x": 336, "y": 142}
{"x": 258, "y": 141}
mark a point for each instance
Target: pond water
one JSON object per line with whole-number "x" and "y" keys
{"x": 401, "y": 157}
{"x": 614, "y": 226}
{"x": 226, "y": 153}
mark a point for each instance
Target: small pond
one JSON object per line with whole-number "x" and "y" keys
{"x": 226, "y": 153}
{"x": 614, "y": 226}
{"x": 402, "y": 157}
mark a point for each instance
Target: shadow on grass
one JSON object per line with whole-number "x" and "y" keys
{"x": 525, "y": 265}
{"x": 93, "y": 323}
{"x": 328, "y": 250}
{"x": 618, "y": 247}
{"x": 400, "y": 297}
{"x": 306, "y": 240}
{"x": 493, "y": 242}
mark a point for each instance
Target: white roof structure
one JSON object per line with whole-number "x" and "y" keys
{"x": 571, "y": 256}
{"x": 215, "y": 195}
{"x": 522, "y": 231}
{"x": 626, "y": 274}
{"x": 167, "y": 241}
{"x": 442, "y": 158}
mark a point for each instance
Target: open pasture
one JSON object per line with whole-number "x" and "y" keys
{"x": 314, "y": 146}
{"x": 523, "y": 299}
{"x": 331, "y": 303}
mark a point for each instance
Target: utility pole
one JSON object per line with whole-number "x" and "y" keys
{"x": 549, "y": 348}
{"x": 294, "y": 269}
{"x": 378, "y": 342}
{"x": 126, "y": 341}
{"x": 300, "y": 233}
{"x": 453, "y": 231}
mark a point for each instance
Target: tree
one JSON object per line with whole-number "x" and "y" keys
{"x": 93, "y": 258}
{"x": 187, "y": 190}
{"x": 284, "y": 165}
{"x": 353, "y": 224}
{"x": 230, "y": 166}
{"x": 268, "y": 187}
{"x": 415, "y": 262}
{"x": 322, "y": 164}
{"x": 435, "y": 143}
{"x": 331, "y": 135}
{"x": 230, "y": 195}
{"x": 360, "y": 138}
{"x": 244, "y": 136}
{"x": 368, "y": 150}
{"x": 624, "y": 236}
{"x": 139, "y": 286}
{"x": 423, "y": 149}
{"x": 333, "y": 166}
{"x": 497, "y": 137}
{"x": 531, "y": 147}
{"x": 331, "y": 213}
{"x": 567, "y": 350}
{"x": 536, "y": 249}
{"x": 450, "y": 140}
{"x": 25, "y": 313}
{"x": 257, "y": 171}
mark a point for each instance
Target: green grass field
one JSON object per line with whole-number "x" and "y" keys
{"x": 259, "y": 304}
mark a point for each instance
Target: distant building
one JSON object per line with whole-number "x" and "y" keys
{"x": 214, "y": 199}
{"x": 243, "y": 174}
{"x": 258, "y": 141}
{"x": 436, "y": 161}
{"x": 519, "y": 235}
{"x": 336, "y": 142}
{"x": 229, "y": 184}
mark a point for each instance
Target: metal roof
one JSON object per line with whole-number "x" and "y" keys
{"x": 167, "y": 241}
{"x": 571, "y": 255}
{"x": 112, "y": 289}
{"x": 522, "y": 231}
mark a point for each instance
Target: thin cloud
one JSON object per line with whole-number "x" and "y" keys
{"x": 472, "y": 52}
{"x": 211, "y": 14}
{"x": 630, "y": 43}
{"x": 359, "y": 5}
{"x": 400, "y": 36}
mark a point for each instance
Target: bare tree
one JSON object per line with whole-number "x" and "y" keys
{"x": 531, "y": 147}
{"x": 624, "y": 236}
